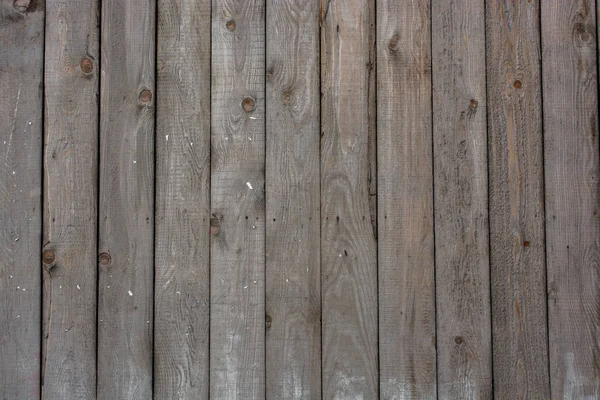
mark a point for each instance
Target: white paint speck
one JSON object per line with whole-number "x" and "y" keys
{"x": 10, "y": 277}
{"x": 226, "y": 138}
{"x": 253, "y": 226}
{"x": 253, "y": 117}
{"x": 18, "y": 316}
{"x": 147, "y": 322}
{"x": 135, "y": 162}
{"x": 178, "y": 292}
{"x": 287, "y": 280}
{"x": 222, "y": 280}
{"x": 14, "y": 172}
{"x": 17, "y": 239}
{"x": 129, "y": 292}
{"x": 78, "y": 287}
{"x": 60, "y": 286}
{"x": 255, "y": 282}
{"x": 18, "y": 287}
{"x": 24, "y": 289}
{"x": 167, "y": 137}
{"x": 246, "y": 287}
{"x": 249, "y": 138}
{"x": 108, "y": 287}
{"x": 340, "y": 255}
{"x": 249, "y": 185}
{"x": 29, "y": 122}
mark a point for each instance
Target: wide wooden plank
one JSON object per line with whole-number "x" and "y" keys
{"x": 70, "y": 199}
{"x": 516, "y": 208}
{"x": 571, "y": 167}
{"x": 21, "y": 77}
{"x": 182, "y": 280}
{"x": 348, "y": 245}
{"x": 126, "y": 231}
{"x": 237, "y": 323}
{"x": 293, "y": 291}
{"x": 461, "y": 200}
{"x": 405, "y": 201}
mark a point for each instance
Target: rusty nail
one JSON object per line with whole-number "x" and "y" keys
{"x": 474, "y": 104}
{"x": 86, "y": 65}
{"x": 49, "y": 257}
{"x": 517, "y": 84}
{"x": 526, "y": 243}
{"x": 230, "y": 25}
{"x": 104, "y": 258}
{"x": 145, "y": 96}
{"x": 248, "y": 104}
{"x": 458, "y": 340}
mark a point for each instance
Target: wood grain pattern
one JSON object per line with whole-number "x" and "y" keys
{"x": 516, "y": 209}
{"x": 461, "y": 200}
{"x": 21, "y": 78}
{"x": 182, "y": 244}
{"x": 70, "y": 200}
{"x": 348, "y": 246}
{"x": 126, "y": 271}
{"x": 405, "y": 201}
{"x": 237, "y": 327}
{"x": 571, "y": 166}
{"x": 293, "y": 291}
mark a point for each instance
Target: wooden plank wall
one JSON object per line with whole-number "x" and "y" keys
{"x": 250, "y": 199}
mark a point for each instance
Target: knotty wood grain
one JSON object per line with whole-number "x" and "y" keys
{"x": 126, "y": 231}
{"x": 293, "y": 298}
{"x": 461, "y": 200}
{"x": 70, "y": 200}
{"x": 516, "y": 209}
{"x": 571, "y": 168}
{"x": 182, "y": 280}
{"x": 21, "y": 77}
{"x": 237, "y": 327}
{"x": 405, "y": 201}
{"x": 348, "y": 246}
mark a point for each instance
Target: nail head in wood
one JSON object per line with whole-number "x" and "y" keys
{"x": 230, "y": 25}
{"x": 104, "y": 258}
{"x": 48, "y": 257}
{"x": 517, "y": 84}
{"x": 145, "y": 96}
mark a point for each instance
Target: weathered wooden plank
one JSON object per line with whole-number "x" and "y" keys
{"x": 461, "y": 200}
{"x": 126, "y": 230}
{"x": 348, "y": 246}
{"x": 405, "y": 201}
{"x": 570, "y": 88}
{"x": 182, "y": 280}
{"x": 70, "y": 200}
{"x": 516, "y": 209}
{"x": 21, "y": 77}
{"x": 237, "y": 326}
{"x": 293, "y": 291}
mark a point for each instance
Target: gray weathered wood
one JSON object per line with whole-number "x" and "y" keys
{"x": 237, "y": 326}
{"x": 405, "y": 201}
{"x": 571, "y": 167}
{"x": 293, "y": 291}
{"x": 126, "y": 267}
{"x": 182, "y": 280}
{"x": 461, "y": 200}
{"x": 516, "y": 209}
{"x": 70, "y": 200}
{"x": 348, "y": 246}
{"x": 21, "y": 77}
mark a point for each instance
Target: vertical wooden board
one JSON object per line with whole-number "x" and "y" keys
{"x": 21, "y": 78}
{"x": 293, "y": 298}
{"x": 571, "y": 168}
{"x": 237, "y": 322}
{"x": 126, "y": 270}
{"x": 405, "y": 201}
{"x": 70, "y": 200}
{"x": 348, "y": 246}
{"x": 461, "y": 200}
{"x": 182, "y": 281}
{"x": 516, "y": 209}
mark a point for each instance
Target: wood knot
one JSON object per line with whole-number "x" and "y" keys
{"x": 104, "y": 259}
{"x": 474, "y": 104}
{"x": 393, "y": 43}
{"x": 48, "y": 257}
{"x": 86, "y": 65}
{"x": 248, "y": 104}
{"x": 21, "y": 5}
{"x": 230, "y": 25}
{"x": 145, "y": 96}
{"x": 458, "y": 340}
{"x": 287, "y": 97}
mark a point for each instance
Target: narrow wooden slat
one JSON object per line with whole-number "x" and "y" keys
{"x": 125, "y": 305}
{"x": 571, "y": 166}
{"x": 348, "y": 246}
{"x": 461, "y": 200}
{"x": 237, "y": 323}
{"x": 182, "y": 281}
{"x": 21, "y": 77}
{"x": 70, "y": 200}
{"x": 293, "y": 298}
{"x": 516, "y": 209}
{"x": 405, "y": 201}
